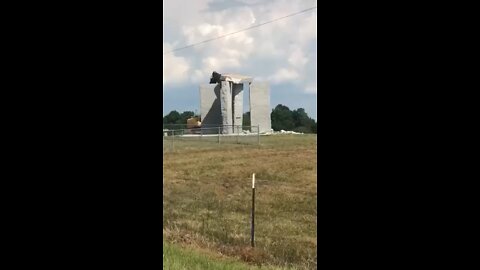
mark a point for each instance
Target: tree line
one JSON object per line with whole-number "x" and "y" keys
{"x": 282, "y": 119}
{"x": 177, "y": 118}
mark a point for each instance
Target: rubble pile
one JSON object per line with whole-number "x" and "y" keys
{"x": 272, "y": 132}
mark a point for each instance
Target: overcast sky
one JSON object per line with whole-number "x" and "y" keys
{"x": 284, "y": 52}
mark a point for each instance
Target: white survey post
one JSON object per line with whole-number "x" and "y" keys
{"x": 253, "y": 181}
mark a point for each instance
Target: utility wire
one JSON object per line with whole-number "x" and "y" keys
{"x": 245, "y": 29}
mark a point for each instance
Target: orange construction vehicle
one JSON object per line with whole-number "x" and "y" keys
{"x": 194, "y": 125}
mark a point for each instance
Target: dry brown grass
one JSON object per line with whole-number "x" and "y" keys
{"x": 207, "y": 198}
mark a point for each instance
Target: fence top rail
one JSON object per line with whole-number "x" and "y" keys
{"x": 213, "y": 127}
{"x": 219, "y": 130}
{"x": 210, "y": 125}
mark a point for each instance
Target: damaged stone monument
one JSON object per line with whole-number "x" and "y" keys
{"x": 221, "y": 103}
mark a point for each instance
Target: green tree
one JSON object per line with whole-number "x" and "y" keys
{"x": 184, "y": 116}
{"x": 175, "y": 117}
{"x": 296, "y": 120}
{"x": 300, "y": 118}
{"x": 282, "y": 118}
{"x": 303, "y": 123}
{"x": 171, "y": 118}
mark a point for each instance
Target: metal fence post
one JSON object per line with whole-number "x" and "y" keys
{"x": 218, "y": 135}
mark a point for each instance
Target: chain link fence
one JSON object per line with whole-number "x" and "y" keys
{"x": 178, "y": 136}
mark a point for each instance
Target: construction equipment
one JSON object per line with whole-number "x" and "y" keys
{"x": 194, "y": 125}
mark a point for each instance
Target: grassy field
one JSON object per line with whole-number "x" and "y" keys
{"x": 207, "y": 198}
{"x": 184, "y": 258}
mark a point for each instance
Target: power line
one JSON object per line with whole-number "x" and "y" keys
{"x": 245, "y": 29}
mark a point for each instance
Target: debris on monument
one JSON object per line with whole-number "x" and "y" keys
{"x": 215, "y": 77}
{"x": 230, "y": 77}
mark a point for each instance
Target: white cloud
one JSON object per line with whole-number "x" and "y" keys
{"x": 280, "y": 51}
{"x": 252, "y": 17}
{"x": 297, "y": 58}
{"x": 184, "y": 12}
{"x": 251, "y": 1}
{"x": 174, "y": 68}
{"x": 199, "y": 77}
{"x": 311, "y": 89}
{"x": 284, "y": 75}
{"x": 220, "y": 64}
{"x": 206, "y": 29}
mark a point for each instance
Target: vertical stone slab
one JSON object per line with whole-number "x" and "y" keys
{"x": 226, "y": 106}
{"x": 260, "y": 105}
{"x": 210, "y": 107}
{"x": 237, "y": 90}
